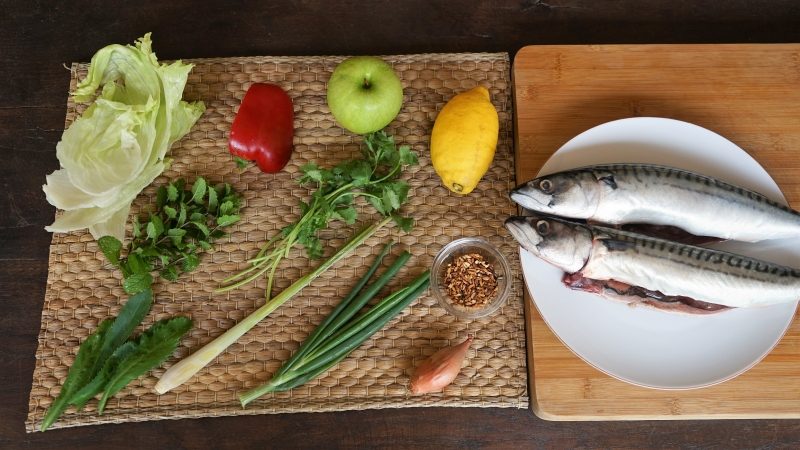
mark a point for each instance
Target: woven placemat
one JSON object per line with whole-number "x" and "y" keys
{"x": 82, "y": 289}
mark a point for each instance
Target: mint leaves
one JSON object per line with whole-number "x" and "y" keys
{"x": 109, "y": 359}
{"x": 186, "y": 221}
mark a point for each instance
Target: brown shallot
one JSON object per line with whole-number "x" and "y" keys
{"x": 438, "y": 371}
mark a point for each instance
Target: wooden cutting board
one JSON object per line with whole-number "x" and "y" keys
{"x": 748, "y": 93}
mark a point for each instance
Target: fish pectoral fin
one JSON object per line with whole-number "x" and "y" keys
{"x": 612, "y": 244}
{"x": 606, "y": 178}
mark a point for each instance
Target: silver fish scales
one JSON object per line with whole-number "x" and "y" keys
{"x": 649, "y": 194}
{"x": 658, "y": 265}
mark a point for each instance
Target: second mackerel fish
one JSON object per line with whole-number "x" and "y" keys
{"x": 659, "y": 270}
{"x": 617, "y": 194}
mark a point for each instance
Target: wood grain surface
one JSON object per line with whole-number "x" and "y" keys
{"x": 38, "y": 37}
{"x": 748, "y": 94}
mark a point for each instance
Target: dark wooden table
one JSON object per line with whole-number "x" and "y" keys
{"x": 37, "y": 37}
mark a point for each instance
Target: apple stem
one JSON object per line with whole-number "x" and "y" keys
{"x": 366, "y": 83}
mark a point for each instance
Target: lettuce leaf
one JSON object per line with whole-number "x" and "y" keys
{"x": 117, "y": 147}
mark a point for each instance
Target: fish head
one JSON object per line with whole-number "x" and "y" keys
{"x": 562, "y": 243}
{"x": 573, "y": 193}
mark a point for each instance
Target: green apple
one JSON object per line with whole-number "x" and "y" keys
{"x": 364, "y": 94}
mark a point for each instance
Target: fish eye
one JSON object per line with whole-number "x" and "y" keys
{"x": 543, "y": 227}
{"x": 546, "y": 186}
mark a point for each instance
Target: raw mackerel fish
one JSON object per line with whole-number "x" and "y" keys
{"x": 656, "y": 272}
{"x": 618, "y": 194}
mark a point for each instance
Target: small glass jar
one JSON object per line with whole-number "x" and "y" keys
{"x": 491, "y": 255}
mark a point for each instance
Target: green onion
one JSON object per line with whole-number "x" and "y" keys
{"x": 185, "y": 369}
{"x": 336, "y": 317}
{"x": 338, "y": 343}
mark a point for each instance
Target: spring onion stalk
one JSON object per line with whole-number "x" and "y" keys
{"x": 186, "y": 368}
{"x": 335, "y": 317}
{"x": 342, "y": 342}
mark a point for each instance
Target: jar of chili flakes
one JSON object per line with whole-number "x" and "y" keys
{"x": 470, "y": 278}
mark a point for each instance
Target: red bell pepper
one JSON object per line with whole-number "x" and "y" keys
{"x": 263, "y": 129}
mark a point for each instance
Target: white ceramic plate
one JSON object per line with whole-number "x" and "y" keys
{"x": 648, "y": 347}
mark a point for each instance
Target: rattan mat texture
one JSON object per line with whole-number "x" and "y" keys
{"x": 82, "y": 289}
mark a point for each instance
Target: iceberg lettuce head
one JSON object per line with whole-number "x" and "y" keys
{"x": 116, "y": 148}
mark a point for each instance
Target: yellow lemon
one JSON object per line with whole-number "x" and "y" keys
{"x": 464, "y": 139}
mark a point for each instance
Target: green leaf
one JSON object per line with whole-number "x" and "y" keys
{"x": 180, "y": 184}
{"x": 129, "y": 317}
{"x": 204, "y": 245}
{"x": 151, "y": 349}
{"x": 199, "y": 190}
{"x": 241, "y": 163}
{"x": 347, "y": 215}
{"x": 343, "y": 200}
{"x": 197, "y": 217}
{"x": 170, "y": 212}
{"x": 404, "y": 223}
{"x": 170, "y": 273}
{"x": 190, "y": 263}
{"x": 161, "y": 197}
{"x": 148, "y": 252}
{"x": 100, "y": 380}
{"x": 88, "y": 391}
{"x": 226, "y": 208}
{"x": 111, "y": 248}
{"x": 202, "y": 227}
{"x": 182, "y": 215}
{"x": 311, "y": 172}
{"x": 212, "y": 201}
{"x": 377, "y": 203}
{"x": 313, "y": 247}
{"x": 360, "y": 172}
{"x": 407, "y": 156}
{"x": 172, "y": 192}
{"x": 137, "y": 264}
{"x": 80, "y": 373}
{"x": 137, "y": 282}
{"x": 390, "y": 199}
{"x": 224, "y": 221}
{"x": 137, "y": 228}
{"x": 155, "y": 227}
{"x": 178, "y": 233}
{"x": 401, "y": 189}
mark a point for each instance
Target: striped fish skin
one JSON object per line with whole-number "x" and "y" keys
{"x": 618, "y": 194}
{"x": 671, "y": 268}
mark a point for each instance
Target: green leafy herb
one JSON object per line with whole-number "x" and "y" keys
{"x": 185, "y": 223}
{"x": 148, "y": 351}
{"x": 108, "y": 359}
{"x": 375, "y": 177}
{"x": 80, "y": 373}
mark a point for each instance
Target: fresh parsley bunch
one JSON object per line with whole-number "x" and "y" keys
{"x": 375, "y": 176}
{"x": 185, "y": 222}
